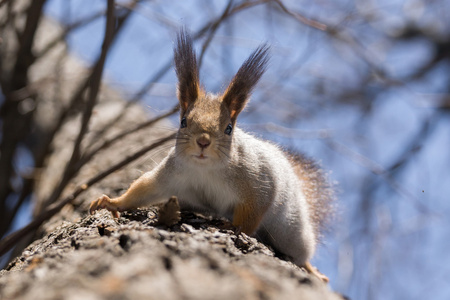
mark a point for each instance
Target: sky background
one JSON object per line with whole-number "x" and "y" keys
{"x": 323, "y": 96}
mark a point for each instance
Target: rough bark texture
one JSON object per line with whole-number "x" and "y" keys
{"x": 134, "y": 258}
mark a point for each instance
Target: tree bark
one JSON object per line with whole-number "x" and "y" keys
{"x": 134, "y": 258}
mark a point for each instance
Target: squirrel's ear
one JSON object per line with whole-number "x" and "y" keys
{"x": 240, "y": 88}
{"x": 186, "y": 69}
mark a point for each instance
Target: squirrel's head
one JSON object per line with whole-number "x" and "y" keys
{"x": 207, "y": 120}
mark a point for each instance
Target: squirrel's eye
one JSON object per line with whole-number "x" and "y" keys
{"x": 183, "y": 123}
{"x": 229, "y": 129}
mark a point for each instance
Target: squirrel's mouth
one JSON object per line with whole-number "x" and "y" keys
{"x": 201, "y": 156}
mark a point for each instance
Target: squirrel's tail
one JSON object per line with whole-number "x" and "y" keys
{"x": 318, "y": 190}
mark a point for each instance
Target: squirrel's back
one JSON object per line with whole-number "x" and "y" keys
{"x": 289, "y": 173}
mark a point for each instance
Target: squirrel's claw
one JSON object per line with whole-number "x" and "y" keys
{"x": 315, "y": 272}
{"x": 237, "y": 230}
{"x": 104, "y": 202}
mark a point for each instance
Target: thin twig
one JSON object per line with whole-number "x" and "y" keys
{"x": 377, "y": 169}
{"x": 307, "y": 21}
{"x": 138, "y": 96}
{"x": 94, "y": 84}
{"x": 344, "y": 36}
{"x": 213, "y": 30}
{"x": 88, "y": 156}
{"x": 67, "y": 30}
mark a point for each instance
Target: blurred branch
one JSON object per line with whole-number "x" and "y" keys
{"x": 93, "y": 85}
{"x": 69, "y": 29}
{"x": 411, "y": 149}
{"x": 16, "y": 121}
{"x": 130, "y": 102}
{"x": 212, "y": 31}
{"x": 76, "y": 100}
{"x": 29, "y": 179}
{"x": 377, "y": 170}
{"x": 440, "y": 45}
{"x": 156, "y": 15}
{"x": 9, "y": 241}
{"x": 344, "y": 35}
{"x": 291, "y": 133}
{"x": 107, "y": 143}
{"x": 3, "y": 2}
{"x": 299, "y": 17}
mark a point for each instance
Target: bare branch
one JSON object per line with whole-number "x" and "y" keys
{"x": 69, "y": 29}
{"x": 377, "y": 170}
{"x": 107, "y": 143}
{"x": 16, "y": 124}
{"x": 214, "y": 27}
{"x": 93, "y": 83}
{"x": 307, "y": 21}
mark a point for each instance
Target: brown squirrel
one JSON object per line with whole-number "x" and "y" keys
{"x": 280, "y": 198}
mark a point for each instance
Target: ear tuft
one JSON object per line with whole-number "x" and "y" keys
{"x": 186, "y": 69}
{"x": 245, "y": 80}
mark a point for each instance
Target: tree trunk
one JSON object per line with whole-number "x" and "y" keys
{"x": 134, "y": 258}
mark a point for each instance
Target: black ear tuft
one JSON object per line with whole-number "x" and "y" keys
{"x": 186, "y": 69}
{"x": 243, "y": 83}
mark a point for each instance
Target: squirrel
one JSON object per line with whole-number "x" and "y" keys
{"x": 280, "y": 198}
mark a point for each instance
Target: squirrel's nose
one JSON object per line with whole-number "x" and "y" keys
{"x": 203, "y": 141}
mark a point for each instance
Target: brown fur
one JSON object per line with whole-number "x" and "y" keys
{"x": 247, "y": 215}
{"x": 237, "y": 94}
{"x": 186, "y": 69}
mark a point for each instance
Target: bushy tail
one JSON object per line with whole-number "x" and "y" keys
{"x": 318, "y": 190}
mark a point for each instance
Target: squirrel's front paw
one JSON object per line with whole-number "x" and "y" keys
{"x": 104, "y": 202}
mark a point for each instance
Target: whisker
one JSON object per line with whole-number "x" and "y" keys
{"x": 182, "y": 139}
{"x": 180, "y": 151}
{"x": 159, "y": 151}
{"x": 223, "y": 144}
{"x": 224, "y": 152}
